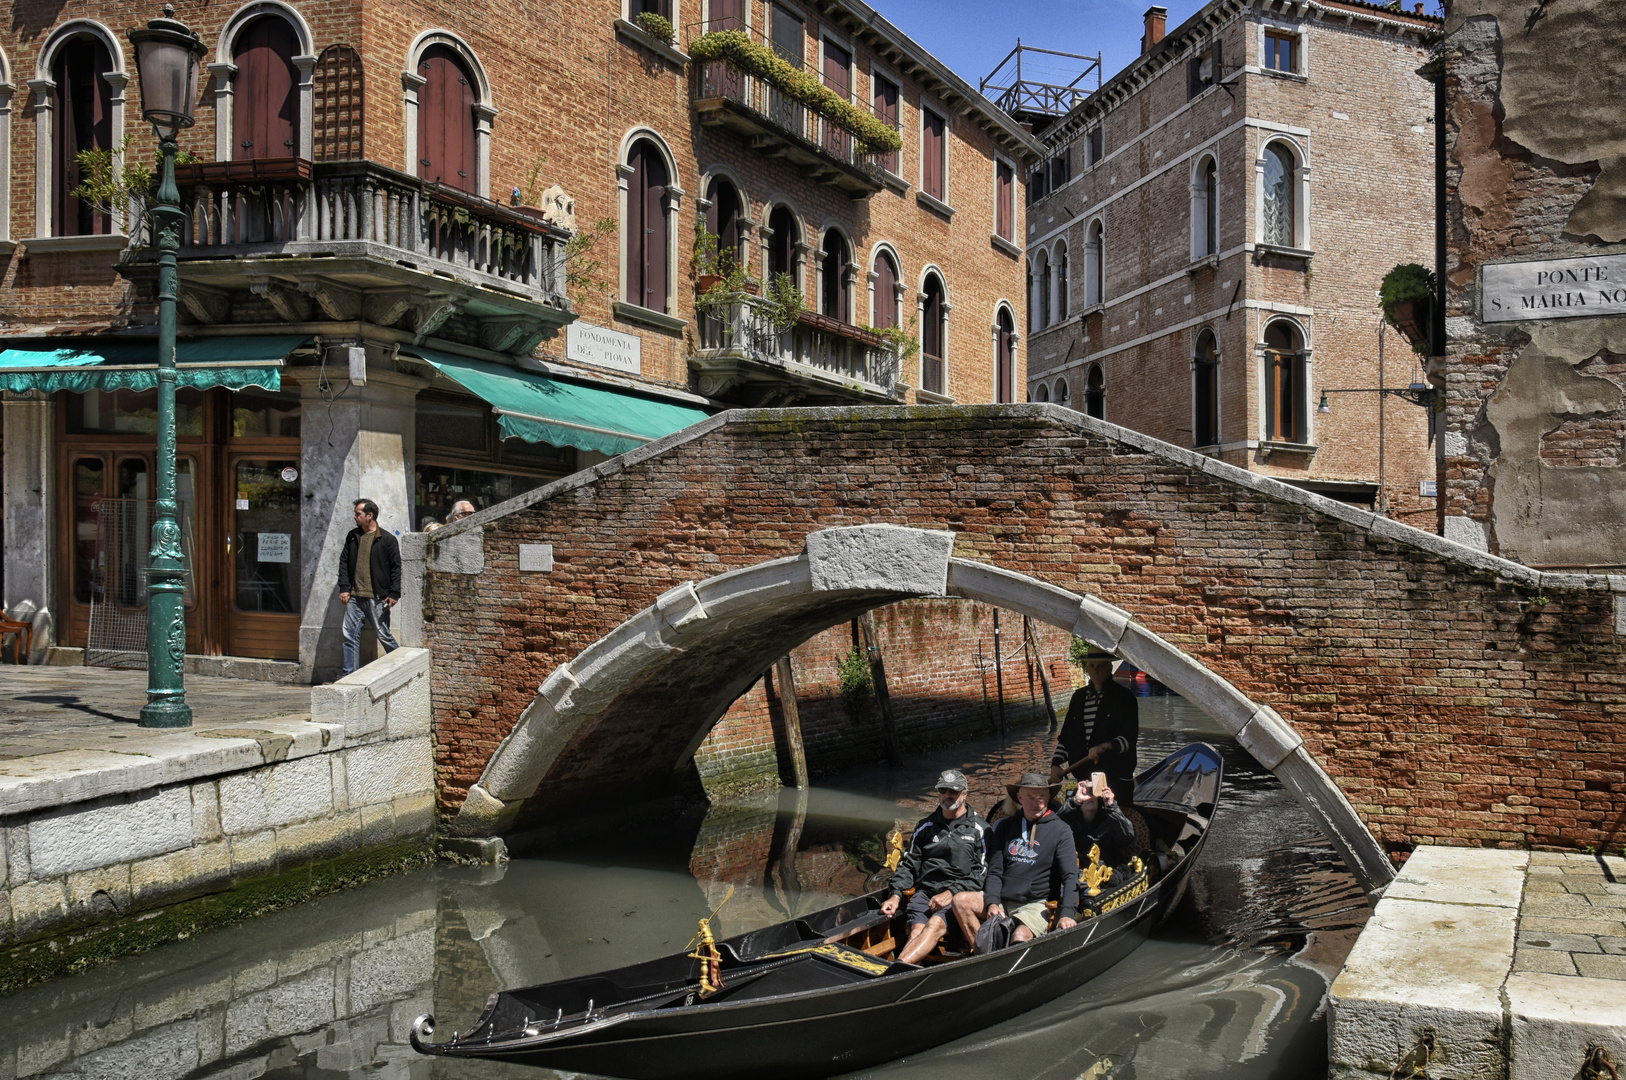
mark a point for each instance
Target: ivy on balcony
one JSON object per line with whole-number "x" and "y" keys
{"x": 737, "y": 48}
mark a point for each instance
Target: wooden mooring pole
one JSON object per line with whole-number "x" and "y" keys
{"x": 999, "y": 674}
{"x": 786, "y": 680}
{"x": 1033, "y": 644}
{"x": 877, "y": 671}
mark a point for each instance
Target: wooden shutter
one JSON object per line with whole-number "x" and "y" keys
{"x": 789, "y": 35}
{"x": 647, "y": 263}
{"x": 836, "y": 259}
{"x": 931, "y": 334}
{"x": 83, "y": 122}
{"x": 886, "y": 108}
{"x": 723, "y": 221}
{"x": 1006, "y": 359}
{"x": 265, "y": 98}
{"x": 339, "y": 99}
{"x": 886, "y": 299}
{"x": 1002, "y": 195}
{"x": 932, "y": 155}
{"x": 446, "y": 152}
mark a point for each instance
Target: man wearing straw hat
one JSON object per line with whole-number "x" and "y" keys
{"x": 1032, "y": 859}
{"x": 1102, "y": 727}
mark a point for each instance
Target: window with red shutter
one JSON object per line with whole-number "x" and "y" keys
{"x": 1004, "y": 183}
{"x": 84, "y": 121}
{"x": 446, "y": 147}
{"x": 886, "y": 293}
{"x": 933, "y": 163}
{"x": 886, "y": 108}
{"x": 727, "y": 15}
{"x": 265, "y": 97}
{"x": 646, "y": 227}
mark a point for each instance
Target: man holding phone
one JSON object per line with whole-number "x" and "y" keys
{"x": 1102, "y": 727}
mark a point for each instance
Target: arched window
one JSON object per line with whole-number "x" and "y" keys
{"x": 1285, "y": 401}
{"x": 447, "y": 152}
{"x": 933, "y": 327}
{"x": 337, "y": 111}
{"x": 1095, "y": 393}
{"x": 84, "y": 121}
{"x": 723, "y": 222}
{"x": 1062, "y": 283}
{"x": 6, "y": 89}
{"x": 1039, "y": 317}
{"x": 1004, "y": 356}
{"x": 1061, "y": 392}
{"x": 1095, "y": 265}
{"x": 782, "y": 244}
{"x": 645, "y": 229}
{"x": 1205, "y": 391}
{"x": 886, "y": 291}
{"x": 265, "y": 99}
{"x": 1280, "y": 220}
{"x": 1041, "y": 393}
{"x": 1205, "y": 210}
{"x": 835, "y": 295}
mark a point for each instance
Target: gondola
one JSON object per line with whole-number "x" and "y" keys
{"x": 822, "y": 994}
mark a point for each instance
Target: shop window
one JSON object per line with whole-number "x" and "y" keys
{"x": 265, "y": 537}
{"x": 1285, "y": 370}
{"x": 131, "y": 412}
{"x": 262, "y": 414}
{"x": 838, "y": 77}
{"x": 451, "y": 424}
{"x": 89, "y": 477}
{"x": 440, "y": 487}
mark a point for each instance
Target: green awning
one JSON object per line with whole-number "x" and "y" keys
{"x": 232, "y": 362}
{"x": 537, "y": 408}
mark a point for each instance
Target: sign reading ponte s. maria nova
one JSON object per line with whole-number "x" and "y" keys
{"x": 1553, "y": 289}
{"x": 603, "y": 347}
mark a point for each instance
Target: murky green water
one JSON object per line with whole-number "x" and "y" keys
{"x": 1232, "y": 986}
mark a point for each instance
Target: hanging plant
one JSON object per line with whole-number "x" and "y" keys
{"x": 1407, "y": 299}
{"x": 736, "y": 47}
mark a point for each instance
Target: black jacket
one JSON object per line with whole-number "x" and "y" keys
{"x": 1035, "y": 863}
{"x": 386, "y": 564}
{"x": 1111, "y": 831}
{"x": 945, "y": 855}
{"x": 1117, "y": 720}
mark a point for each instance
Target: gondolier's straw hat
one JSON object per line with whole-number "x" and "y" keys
{"x": 1095, "y": 653}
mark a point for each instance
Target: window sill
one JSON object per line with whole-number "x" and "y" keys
{"x": 1093, "y": 309}
{"x": 1285, "y": 252}
{"x": 1289, "y": 76}
{"x": 1059, "y": 324}
{"x": 1002, "y": 244}
{"x": 635, "y": 34}
{"x": 895, "y": 182}
{"x": 656, "y": 320}
{"x": 7, "y": 247}
{"x": 927, "y": 397}
{"x": 98, "y": 242}
{"x": 932, "y": 203}
{"x": 1268, "y": 447}
{"x": 1207, "y": 262}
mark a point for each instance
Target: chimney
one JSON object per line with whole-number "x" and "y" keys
{"x": 1157, "y": 19}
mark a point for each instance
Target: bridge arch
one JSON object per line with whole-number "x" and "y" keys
{"x": 725, "y": 631}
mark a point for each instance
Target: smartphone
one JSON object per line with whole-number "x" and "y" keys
{"x": 1098, "y": 783}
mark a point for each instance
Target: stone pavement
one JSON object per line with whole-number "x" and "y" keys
{"x": 1573, "y": 919}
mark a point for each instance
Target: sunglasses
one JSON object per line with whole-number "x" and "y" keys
{"x": 948, "y": 791}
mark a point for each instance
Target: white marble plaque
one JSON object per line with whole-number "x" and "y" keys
{"x": 603, "y": 347}
{"x": 535, "y": 558}
{"x": 1553, "y": 289}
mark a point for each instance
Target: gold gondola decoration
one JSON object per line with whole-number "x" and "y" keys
{"x": 706, "y": 951}
{"x": 894, "y": 846}
{"x": 1095, "y": 875}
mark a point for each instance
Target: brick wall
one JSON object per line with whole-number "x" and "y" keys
{"x": 1453, "y": 698}
{"x": 941, "y": 691}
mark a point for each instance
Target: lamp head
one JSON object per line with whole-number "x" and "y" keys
{"x": 168, "y": 59}
{"x": 1325, "y": 406}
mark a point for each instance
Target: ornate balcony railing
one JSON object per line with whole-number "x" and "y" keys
{"x": 295, "y": 207}
{"x": 742, "y": 327}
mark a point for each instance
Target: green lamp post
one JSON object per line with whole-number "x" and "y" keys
{"x": 168, "y": 55}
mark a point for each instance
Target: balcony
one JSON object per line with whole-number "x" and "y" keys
{"x": 743, "y": 357}
{"x": 777, "y": 125}
{"x": 354, "y": 241}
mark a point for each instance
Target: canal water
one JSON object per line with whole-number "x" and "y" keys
{"x": 1233, "y": 986}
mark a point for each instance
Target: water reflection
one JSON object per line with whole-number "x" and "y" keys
{"x": 1231, "y": 987}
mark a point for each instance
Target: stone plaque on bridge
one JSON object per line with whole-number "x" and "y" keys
{"x": 1553, "y": 289}
{"x": 536, "y": 558}
{"x": 603, "y": 347}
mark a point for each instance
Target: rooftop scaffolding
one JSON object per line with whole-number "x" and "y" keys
{"x": 1037, "y": 102}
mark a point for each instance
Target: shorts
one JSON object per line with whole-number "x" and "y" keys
{"x": 1034, "y": 915}
{"x": 917, "y": 914}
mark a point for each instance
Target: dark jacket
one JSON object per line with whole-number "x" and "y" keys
{"x": 386, "y": 564}
{"x": 1028, "y": 862}
{"x": 1117, "y": 720}
{"x": 945, "y": 855}
{"x": 1111, "y": 831}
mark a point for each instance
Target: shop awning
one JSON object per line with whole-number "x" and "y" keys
{"x": 539, "y": 409}
{"x": 232, "y": 362}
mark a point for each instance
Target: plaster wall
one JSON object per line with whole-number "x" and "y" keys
{"x": 29, "y": 442}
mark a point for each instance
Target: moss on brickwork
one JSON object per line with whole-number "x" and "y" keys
{"x": 67, "y": 953}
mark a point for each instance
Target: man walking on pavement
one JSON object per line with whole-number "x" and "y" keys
{"x": 369, "y": 582}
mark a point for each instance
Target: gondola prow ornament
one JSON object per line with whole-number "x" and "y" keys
{"x": 711, "y": 960}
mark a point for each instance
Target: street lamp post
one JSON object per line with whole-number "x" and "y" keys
{"x": 167, "y": 59}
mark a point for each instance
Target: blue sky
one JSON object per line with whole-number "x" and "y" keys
{"x": 971, "y": 36}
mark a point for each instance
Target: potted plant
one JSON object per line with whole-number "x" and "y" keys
{"x": 1407, "y": 299}
{"x": 656, "y": 26}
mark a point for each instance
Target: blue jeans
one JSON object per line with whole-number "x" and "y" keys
{"x": 373, "y": 611}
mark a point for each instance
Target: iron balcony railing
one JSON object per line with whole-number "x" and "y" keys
{"x": 741, "y": 325}
{"x": 292, "y": 206}
{"x": 723, "y": 79}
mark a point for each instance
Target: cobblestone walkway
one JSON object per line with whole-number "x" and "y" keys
{"x": 1573, "y": 918}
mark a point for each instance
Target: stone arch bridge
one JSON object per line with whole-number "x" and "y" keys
{"x": 1407, "y": 689}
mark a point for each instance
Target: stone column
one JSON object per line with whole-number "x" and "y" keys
{"x": 44, "y": 91}
{"x": 358, "y": 446}
{"x": 306, "y": 66}
{"x": 30, "y": 428}
{"x": 225, "y": 76}
{"x": 6, "y": 90}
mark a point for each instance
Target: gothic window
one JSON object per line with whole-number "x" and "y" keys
{"x": 446, "y": 129}
{"x": 835, "y": 293}
{"x": 1095, "y": 393}
{"x": 646, "y": 226}
{"x": 1095, "y": 265}
{"x": 1004, "y": 356}
{"x": 886, "y": 292}
{"x": 1279, "y": 222}
{"x": 1285, "y": 379}
{"x": 84, "y": 121}
{"x": 1205, "y": 391}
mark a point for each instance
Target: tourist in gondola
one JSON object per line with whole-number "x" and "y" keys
{"x": 947, "y": 860}
{"x": 1031, "y": 860}
{"x": 1102, "y": 727}
{"x": 1096, "y": 819}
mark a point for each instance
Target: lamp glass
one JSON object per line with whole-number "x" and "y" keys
{"x": 167, "y": 61}
{"x": 1325, "y": 406}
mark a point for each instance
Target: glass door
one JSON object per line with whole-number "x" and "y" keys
{"x": 262, "y": 545}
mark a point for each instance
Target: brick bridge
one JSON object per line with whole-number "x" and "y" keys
{"x": 1408, "y": 690}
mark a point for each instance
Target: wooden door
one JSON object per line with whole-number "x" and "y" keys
{"x": 446, "y": 151}
{"x": 646, "y": 228}
{"x": 262, "y": 546}
{"x": 265, "y": 98}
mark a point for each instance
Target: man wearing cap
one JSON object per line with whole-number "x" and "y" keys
{"x": 947, "y": 860}
{"x": 1032, "y": 859}
{"x": 1102, "y": 727}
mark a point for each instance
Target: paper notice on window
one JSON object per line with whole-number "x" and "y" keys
{"x": 276, "y": 547}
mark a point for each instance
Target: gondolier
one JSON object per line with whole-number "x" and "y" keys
{"x": 1101, "y": 730}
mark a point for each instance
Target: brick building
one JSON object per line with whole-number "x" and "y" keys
{"x": 1535, "y": 216}
{"x": 1208, "y": 231}
{"x": 375, "y": 293}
